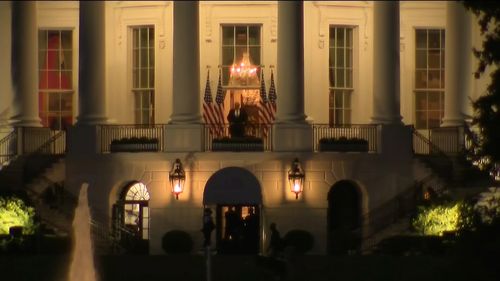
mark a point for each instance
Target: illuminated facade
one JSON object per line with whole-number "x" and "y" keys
{"x": 357, "y": 69}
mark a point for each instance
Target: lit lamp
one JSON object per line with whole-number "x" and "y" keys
{"x": 296, "y": 178}
{"x": 177, "y": 176}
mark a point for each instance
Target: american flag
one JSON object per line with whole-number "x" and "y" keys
{"x": 271, "y": 105}
{"x": 219, "y": 104}
{"x": 209, "y": 114}
{"x": 265, "y": 116}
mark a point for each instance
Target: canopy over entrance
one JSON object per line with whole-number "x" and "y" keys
{"x": 232, "y": 186}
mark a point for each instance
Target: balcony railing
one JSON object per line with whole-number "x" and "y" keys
{"x": 106, "y": 134}
{"x": 258, "y": 137}
{"x": 365, "y": 132}
{"x": 447, "y": 140}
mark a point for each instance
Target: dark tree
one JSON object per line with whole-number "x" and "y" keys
{"x": 487, "y": 107}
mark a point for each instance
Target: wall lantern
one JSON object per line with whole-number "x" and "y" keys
{"x": 177, "y": 176}
{"x": 296, "y": 178}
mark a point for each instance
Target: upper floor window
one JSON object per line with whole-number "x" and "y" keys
{"x": 55, "y": 64}
{"x": 340, "y": 74}
{"x": 241, "y": 68}
{"x": 429, "y": 78}
{"x": 143, "y": 74}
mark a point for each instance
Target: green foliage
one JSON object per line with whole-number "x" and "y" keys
{"x": 302, "y": 240}
{"x": 488, "y": 205}
{"x": 446, "y": 217}
{"x": 177, "y": 242}
{"x": 487, "y": 107}
{"x": 14, "y": 212}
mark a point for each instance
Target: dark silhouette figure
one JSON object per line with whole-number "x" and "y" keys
{"x": 275, "y": 248}
{"x": 251, "y": 231}
{"x": 208, "y": 227}
{"x": 231, "y": 231}
{"x": 237, "y": 119}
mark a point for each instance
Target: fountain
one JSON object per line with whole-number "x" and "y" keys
{"x": 82, "y": 261}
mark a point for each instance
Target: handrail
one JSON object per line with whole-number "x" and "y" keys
{"x": 52, "y": 146}
{"x": 218, "y": 131}
{"x": 108, "y": 133}
{"x": 367, "y": 132}
{"x": 8, "y": 147}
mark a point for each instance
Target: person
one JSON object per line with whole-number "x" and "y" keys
{"x": 237, "y": 119}
{"x": 208, "y": 226}
{"x": 275, "y": 243}
{"x": 252, "y": 231}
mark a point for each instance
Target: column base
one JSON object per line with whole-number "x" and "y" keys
{"x": 453, "y": 122}
{"x": 292, "y": 137}
{"x": 91, "y": 120}
{"x": 25, "y": 121}
{"x": 183, "y": 138}
{"x": 82, "y": 140}
{"x": 395, "y": 141}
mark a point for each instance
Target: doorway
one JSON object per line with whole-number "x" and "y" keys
{"x": 344, "y": 227}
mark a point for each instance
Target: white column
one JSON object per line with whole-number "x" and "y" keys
{"x": 186, "y": 71}
{"x": 25, "y": 64}
{"x": 291, "y": 131}
{"x": 6, "y": 92}
{"x": 290, "y": 68}
{"x": 91, "y": 76}
{"x": 458, "y": 73}
{"x": 386, "y": 104}
{"x": 185, "y": 129}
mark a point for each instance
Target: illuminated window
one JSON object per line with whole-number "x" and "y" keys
{"x": 143, "y": 74}
{"x": 241, "y": 68}
{"x": 136, "y": 210}
{"x": 429, "y": 78}
{"x": 340, "y": 73}
{"x": 55, "y": 64}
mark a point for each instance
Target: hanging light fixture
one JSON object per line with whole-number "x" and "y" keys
{"x": 177, "y": 176}
{"x": 296, "y": 178}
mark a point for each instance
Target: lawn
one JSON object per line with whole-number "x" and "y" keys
{"x": 226, "y": 268}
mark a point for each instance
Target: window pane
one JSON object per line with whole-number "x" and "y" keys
{"x": 340, "y": 37}
{"x": 434, "y": 58}
{"x": 151, "y": 57}
{"x": 53, "y": 39}
{"x": 255, "y": 55}
{"x": 348, "y": 58}
{"x": 66, "y": 80}
{"x": 143, "y": 37}
{"x": 66, "y": 102}
{"x": 421, "y": 101}
{"x": 42, "y": 59}
{"x": 54, "y": 102}
{"x": 135, "y": 74}
{"x": 67, "y": 60}
{"x": 66, "y": 39}
{"x": 340, "y": 78}
{"x": 225, "y": 75}
{"x": 421, "y": 59}
{"x": 442, "y": 39}
{"x": 421, "y": 39}
{"x": 434, "y": 119}
{"x": 434, "y": 38}
{"x": 332, "y": 37}
{"x": 227, "y": 55}
{"x": 347, "y": 99}
{"x": 241, "y": 35}
{"x": 227, "y": 35}
{"x": 433, "y": 101}
{"x": 338, "y": 116}
{"x": 151, "y": 37}
{"x": 338, "y": 99}
{"x": 53, "y": 79}
{"x": 135, "y": 35}
{"x": 254, "y": 35}
{"x": 421, "y": 79}
{"x": 348, "y": 78}
{"x": 349, "y": 37}
{"x": 144, "y": 78}
{"x": 340, "y": 57}
{"x": 239, "y": 52}
{"x": 151, "y": 78}
{"x": 442, "y": 79}
{"x": 144, "y": 57}
{"x": 331, "y": 76}
{"x": 434, "y": 81}
{"x": 332, "y": 57}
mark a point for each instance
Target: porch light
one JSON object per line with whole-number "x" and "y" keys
{"x": 177, "y": 176}
{"x": 296, "y": 178}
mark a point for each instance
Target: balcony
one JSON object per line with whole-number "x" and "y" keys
{"x": 345, "y": 138}
{"x": 257, "y": 137}
{"x": 131, "y": 138}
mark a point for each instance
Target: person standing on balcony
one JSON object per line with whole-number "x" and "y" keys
{"x": 237, "y": 119}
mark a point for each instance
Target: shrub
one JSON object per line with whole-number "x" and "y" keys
{"x": 488, "y": 205}
{"x": 177, "y": 242}
{"x": 446, "y": 217}
{"x": 14, "y": 212}
{"x": 302, "y": 240}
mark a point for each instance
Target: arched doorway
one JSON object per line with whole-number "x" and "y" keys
{"x": 235, "y": 194}
{"x": 131, "y": 218}
{"x": 344, "y": 226}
